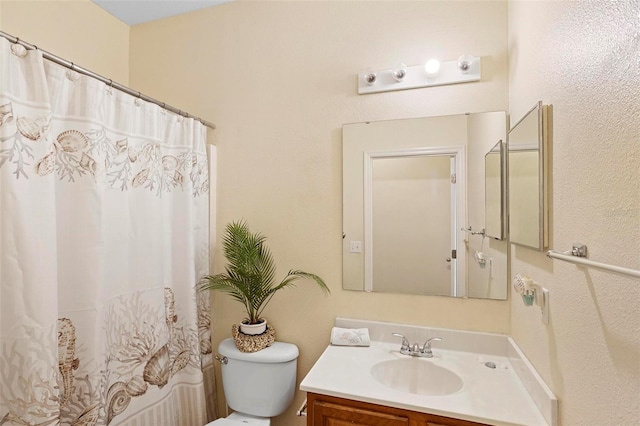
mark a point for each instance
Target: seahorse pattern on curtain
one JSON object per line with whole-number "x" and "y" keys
{"x": 103, "y": 236}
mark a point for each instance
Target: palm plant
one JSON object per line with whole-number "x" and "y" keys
{"x": 249, "y": 275}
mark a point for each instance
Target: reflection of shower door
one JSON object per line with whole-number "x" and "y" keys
{"x": 411, "y": 243}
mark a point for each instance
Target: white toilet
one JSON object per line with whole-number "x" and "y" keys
{"x": 257, "y": 385}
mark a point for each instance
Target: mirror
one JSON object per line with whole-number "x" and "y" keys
{"x": 528, "y": 206}
{"x": 412, "y": 188}
{"x": 494, "y": 192}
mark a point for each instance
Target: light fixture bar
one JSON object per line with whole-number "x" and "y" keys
{"x": 416, "y": 77}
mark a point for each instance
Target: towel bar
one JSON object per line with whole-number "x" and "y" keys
{"x": 578, "y": 255}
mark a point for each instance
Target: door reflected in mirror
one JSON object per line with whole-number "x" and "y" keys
{"x": 410, "y": 221}
{"x": 405, "y": 204}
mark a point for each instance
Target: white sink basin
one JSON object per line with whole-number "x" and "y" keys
{"x": 416, "y": 375}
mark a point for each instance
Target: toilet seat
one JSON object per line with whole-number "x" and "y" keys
{"x": 223, "y": 422}
{"x": 237, "y": 419}
{"x": 226, "y": 422}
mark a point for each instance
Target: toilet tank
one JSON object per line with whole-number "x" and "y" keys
{"x": 259, "y": 383}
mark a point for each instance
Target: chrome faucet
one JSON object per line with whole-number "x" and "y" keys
{"x": 416, "y": 350}
{"x": 405, "y": 344}
{"x": 426, "y": 348}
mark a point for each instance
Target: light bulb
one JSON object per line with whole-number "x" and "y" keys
{"x": 465, "y": 62}
{"x": 370, "y": 77}
{"x": 399, "y": 72}
{"x": 432, "y": 67}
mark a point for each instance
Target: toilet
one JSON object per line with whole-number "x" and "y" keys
{"x": 257, "y": 385}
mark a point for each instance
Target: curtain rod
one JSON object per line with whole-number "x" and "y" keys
{"x": 58, "y": 60}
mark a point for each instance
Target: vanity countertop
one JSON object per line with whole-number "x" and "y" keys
{"x": 494, "y": 396}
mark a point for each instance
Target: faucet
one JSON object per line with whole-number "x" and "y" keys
{"x": 416, "y": 350}
{"x": 426, "y": 348}
{"x": 405, "y": 344}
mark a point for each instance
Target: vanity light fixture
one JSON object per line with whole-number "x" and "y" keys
{"x": 465, "y": 69}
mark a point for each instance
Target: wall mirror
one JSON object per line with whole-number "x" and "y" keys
{"x": 494, "y": 191}
{"x": 528, "y": 166}
{"x": 414, "y": 207}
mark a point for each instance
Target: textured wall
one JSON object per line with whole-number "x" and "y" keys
{"x": 584, "y": 59}
{"x": 279, "y": 81}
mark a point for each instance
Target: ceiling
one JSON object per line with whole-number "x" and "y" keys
{"x": 134, "y": 12}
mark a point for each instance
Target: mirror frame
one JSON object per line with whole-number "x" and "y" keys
{"x": 541, "y": 112}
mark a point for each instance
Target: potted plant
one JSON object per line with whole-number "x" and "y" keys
{"x": 249, "y": 275}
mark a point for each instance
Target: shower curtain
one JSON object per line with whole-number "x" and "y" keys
{"x": 103, "y": 236}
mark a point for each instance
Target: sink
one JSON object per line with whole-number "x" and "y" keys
{"x": 416, "y": 375}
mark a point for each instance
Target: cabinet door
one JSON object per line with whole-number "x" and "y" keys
{"x": 328, "y": 414}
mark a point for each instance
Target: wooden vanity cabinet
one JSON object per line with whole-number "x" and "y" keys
{"x": 325, "y": 410}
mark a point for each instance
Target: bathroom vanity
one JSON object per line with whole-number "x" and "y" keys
{"x": 473, "y": 378}
{"x": 323, "y": 410}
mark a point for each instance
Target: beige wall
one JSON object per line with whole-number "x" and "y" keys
{"x": 76, "y": 30}
{"x": 279, "y": 81}
{"x": 582, "y": 57}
